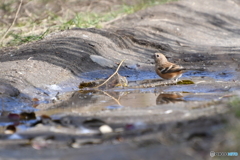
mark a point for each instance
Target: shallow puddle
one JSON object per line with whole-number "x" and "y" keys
{"x": 208, "y": 86}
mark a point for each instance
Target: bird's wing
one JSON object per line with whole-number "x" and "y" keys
{"x": 171, "y": 69}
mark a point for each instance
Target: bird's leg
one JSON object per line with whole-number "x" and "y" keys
{"x": 176, "y": 81}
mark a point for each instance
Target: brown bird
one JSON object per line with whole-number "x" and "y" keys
{"x": 165, "y": 69}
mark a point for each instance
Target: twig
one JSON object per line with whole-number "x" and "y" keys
{"x": 111, "y": 75}
{"x": 89, "y": 7}
{"x": 113, "y": 20}
{"x": 15, "y": 18}
{"x": 116, "y": 100}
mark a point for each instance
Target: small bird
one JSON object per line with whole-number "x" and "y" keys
{"x": 167, "y": 70}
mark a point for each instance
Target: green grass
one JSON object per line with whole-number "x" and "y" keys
{"x": 235, "y": 106}
{"x": 89, "y": 20}
{"x": 18, "y": 39}
{"x": 22, "y": 30}
{"x": 7, "y": 6}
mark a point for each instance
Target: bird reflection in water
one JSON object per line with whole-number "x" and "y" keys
{"x": 165, "y": 98}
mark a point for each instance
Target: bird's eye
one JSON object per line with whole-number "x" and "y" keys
{"x": 157, "y": 55}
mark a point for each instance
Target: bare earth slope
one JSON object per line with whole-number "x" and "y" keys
{"x": 190, "y": 31}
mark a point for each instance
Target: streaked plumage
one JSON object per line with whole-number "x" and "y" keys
{"x": 165, "y": 69}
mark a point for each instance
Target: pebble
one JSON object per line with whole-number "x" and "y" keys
{"x": 102, "y": 61}
{"x": 105, "y": 129}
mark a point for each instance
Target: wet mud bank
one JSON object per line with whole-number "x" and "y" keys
{"x": 44, "y": 112}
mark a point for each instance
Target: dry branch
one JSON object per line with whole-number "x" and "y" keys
{"x": 14, "y": 20}
{"x": 111, "y": 75}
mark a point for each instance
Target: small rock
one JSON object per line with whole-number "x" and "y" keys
{"x": 102, "y": 61}
{"x": 81, "y": 142}
{"x": 93, "y": 123}
{"x": 168, "y": 111}
{"x": 41, "y": 142}
{"x": 105, "y": 129}
{"x": 27, "y": 116}
{"x": 14, "y": 117}
{"x": 10, "y": 129}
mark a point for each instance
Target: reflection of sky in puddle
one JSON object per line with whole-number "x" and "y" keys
{"x": 218, "y": 75}
{"x": 136, "y": 75}
{"x": 133, "y": 75}
{"x": 15, "y": 105}
{"x": 223, "y": 75}
{"x": 112, "y": 107}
